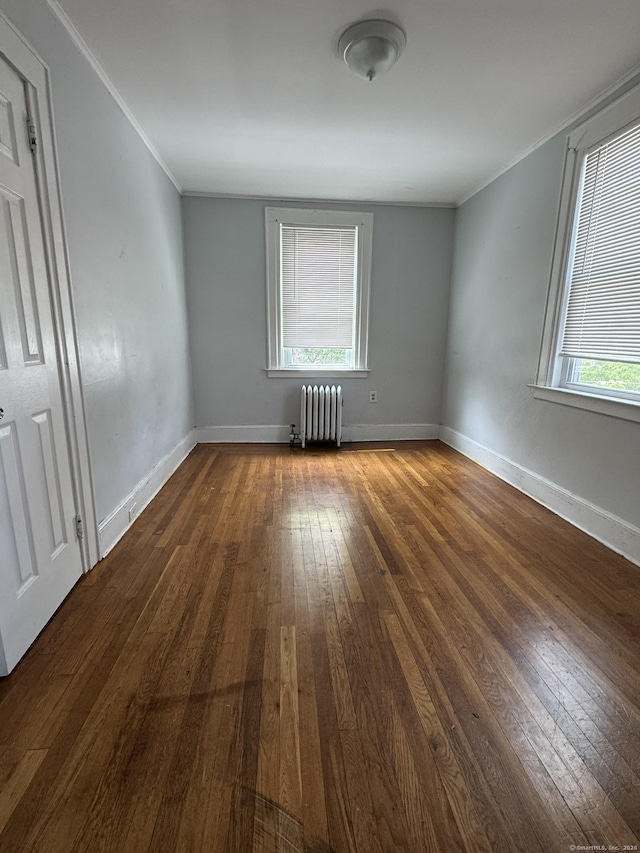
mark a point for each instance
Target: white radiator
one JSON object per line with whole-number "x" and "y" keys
{"x": 321, "y": 413}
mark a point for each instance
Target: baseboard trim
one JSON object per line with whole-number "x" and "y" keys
{"x": 275, "y": 434}
{"x": 614, "y": 532}
{"x": 115, "y": 525}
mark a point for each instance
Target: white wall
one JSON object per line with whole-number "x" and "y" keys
{"x": 123, "y": 224}
{"x": 225, "y": 263}
{"x": 582, "y": 464}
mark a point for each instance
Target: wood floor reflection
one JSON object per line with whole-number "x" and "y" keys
{"x": 372, "y": 650}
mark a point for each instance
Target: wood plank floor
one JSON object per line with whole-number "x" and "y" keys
{"x": 380, "y": 649}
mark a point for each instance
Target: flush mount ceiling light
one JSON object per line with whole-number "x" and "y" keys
{"x": 370, "y": 48}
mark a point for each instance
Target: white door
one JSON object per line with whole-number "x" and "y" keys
{"x": 40, "y": 557}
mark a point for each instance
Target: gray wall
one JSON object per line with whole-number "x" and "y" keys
{"x": 503, "y": 246}
{"x": 123, "y": 224}
{"x": 225, "y": 263}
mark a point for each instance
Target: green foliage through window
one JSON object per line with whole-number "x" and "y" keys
{"x": 614, "y": 375}
{"x": 311, "y": 355}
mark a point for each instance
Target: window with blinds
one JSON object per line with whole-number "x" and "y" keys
{"x": 318, "y": 283}
{"x": 318, "y": 266}
{"x": 590, "y": 348}
{"x": 602, "y": 321}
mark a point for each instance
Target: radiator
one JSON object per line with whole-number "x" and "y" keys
{"x": 321, "y": 413}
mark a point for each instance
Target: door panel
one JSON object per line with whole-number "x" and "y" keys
{"x": 14, "y": 220}
{"x": 16, "y": 514}
{"x": 50, "y": 466}
{"x": 7, "y": 131}
{"x": 40, "y": 558}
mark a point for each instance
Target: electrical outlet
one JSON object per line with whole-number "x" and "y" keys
{"x": 373, "y": 396}
{"x": 132, "y": 512}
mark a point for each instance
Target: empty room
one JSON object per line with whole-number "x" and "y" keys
{"x": 319, "y": 426}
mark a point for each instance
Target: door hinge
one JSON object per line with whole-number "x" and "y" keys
{"x": 79, "y": 527}
{"x": 33, "y": 134}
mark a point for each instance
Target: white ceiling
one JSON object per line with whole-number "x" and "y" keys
{"x": 248, "y": 97}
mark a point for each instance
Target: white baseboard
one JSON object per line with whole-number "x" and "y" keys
{"x": 612, "y": 531}
{"x": 274, "y": 434}
{"x": 115, "y": 525}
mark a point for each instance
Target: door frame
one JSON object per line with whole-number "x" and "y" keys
{"x": 17, "y": 51}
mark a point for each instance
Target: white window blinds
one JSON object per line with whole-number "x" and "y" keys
{"x": 318, "y": 272}
{"x": 603, "y": 312}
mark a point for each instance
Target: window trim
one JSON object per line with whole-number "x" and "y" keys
{"x": 615, "y": 407}
{"x": 274, "y": 216}
{"x": 550, "y": 383}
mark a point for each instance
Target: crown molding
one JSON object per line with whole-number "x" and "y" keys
{"x": 449, "y": 205}
{"x": 84, "y": 49}
{"x": 581, "y": 114}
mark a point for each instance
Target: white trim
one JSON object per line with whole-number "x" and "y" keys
{"x": 612, "y": 531}
{"x": 85, "y": 50}
{"x": 548, "y": 369}
{"x": 610, "y": 120}
{"x": 13, "y": 43}
{"x": 69, "y": 346}
{"x": 32, "y": 68}
{"x": 627, "y": 410}
{"x": 314, "y": 375}
{"x": 275, "y": 434}
{"x": 449, "y": 205}
{"x": 565, "y": 124}
{"x": 115, "y": 525}
{"x": 549, "y": 374}
{"x": 274, "y": 218}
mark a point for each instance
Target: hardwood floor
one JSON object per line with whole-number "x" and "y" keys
{"x": 380, "y": 649}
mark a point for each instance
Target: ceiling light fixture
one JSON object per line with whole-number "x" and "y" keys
{"x": 370, "y": 48}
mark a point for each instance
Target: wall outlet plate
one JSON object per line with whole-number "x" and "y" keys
{"x": 373, "y": 396}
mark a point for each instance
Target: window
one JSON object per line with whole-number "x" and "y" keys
{"x": 591, "y": 346}
{"x": 318, "y": 271}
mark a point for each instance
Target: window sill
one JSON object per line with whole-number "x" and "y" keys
{"x": 293, "y": 372}
{"x": 628, "y": 410}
